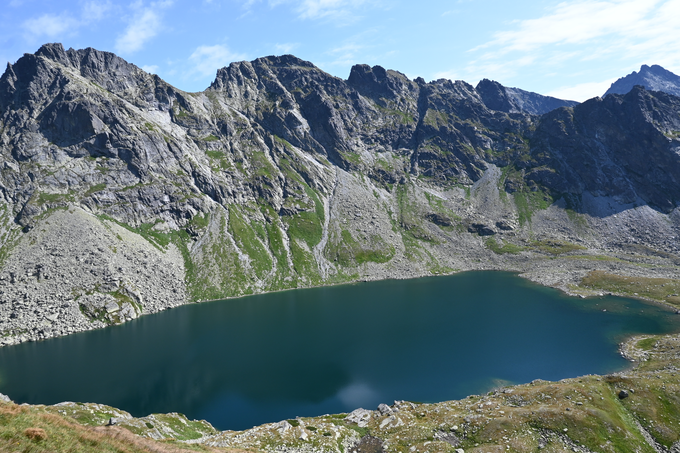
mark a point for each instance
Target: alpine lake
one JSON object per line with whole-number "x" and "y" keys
{"x": 258, "y": 359}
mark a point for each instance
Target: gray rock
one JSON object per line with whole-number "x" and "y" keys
{"x": 481, "y": 229}
{"x": 384, "y": 409}
{"x": 506, "y": 225}
{"x": 359, "y": 416}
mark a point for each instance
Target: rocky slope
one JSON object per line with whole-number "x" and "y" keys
{"x": 516, "y": 100}
{"x": 653, "y": 78}
{"x": 122, "y": 195}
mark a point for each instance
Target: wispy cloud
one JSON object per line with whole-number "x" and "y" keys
{"x": 341, "y": 12}
{"x": 58, "y": 26}
{"x": 582, "y": 91}
{"x": 206, "y": 60}
{"x": 144, "y": 25}
{"x": 346, "y": 54}
{"x": 94, "y": 11}
{"x": 574, "y": 22}
{"x": 286, "y": 47}
{"x": 317, "y": 9}
{"x": 578, "y": 31}
{"x": 151, "y": 69}
{"x": 50, "y": 26}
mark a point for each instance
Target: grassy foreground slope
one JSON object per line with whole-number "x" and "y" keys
{"x": 637, "y": 410}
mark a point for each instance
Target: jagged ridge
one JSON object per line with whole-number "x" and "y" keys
{"x": 281, "y": 176}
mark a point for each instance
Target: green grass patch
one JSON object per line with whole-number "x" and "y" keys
{"x": 528, "y": 202}
{"x": 44, "y": 198}
{"x": 555, "y": 246}
{"x": 38, "y": 430}
{"x": 156, "y": 238}
{"x": 503, "y": 247}
{"x": 661, "y": 289}
{"x": 261, "y": 165}
{"x": 593, "y": 258}
{"x": 200, "y": 221}
{"x": 94, "y": 189}
{"x": 214, "y": 154}
{"x": 436, "y": 118}
{"x": 346, "y": 251}
{"x": 210, "y": 138}
{"x": 303, "y": 261}
{"x": 247, "y": 239}
{"x": 307, "y": 225}
{"x": 283, "y": 142}
{"x": 404, "y": 117}
{"x": 647, "y": 344}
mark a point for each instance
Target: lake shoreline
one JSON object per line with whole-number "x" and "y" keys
{"x": 314, "y": 322}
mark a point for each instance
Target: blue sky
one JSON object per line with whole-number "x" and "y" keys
{"x": 569, "y": 49}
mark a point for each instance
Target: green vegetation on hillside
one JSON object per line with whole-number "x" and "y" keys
{"x": 661, "y": 289}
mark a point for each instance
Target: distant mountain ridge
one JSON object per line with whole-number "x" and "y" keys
{"x": 515, "y": 100}
{"x": 653, "y": 78}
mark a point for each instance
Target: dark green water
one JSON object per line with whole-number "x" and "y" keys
{"x": 260, "y": 359}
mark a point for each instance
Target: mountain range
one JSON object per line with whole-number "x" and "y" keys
{"x": 122, "y": 195}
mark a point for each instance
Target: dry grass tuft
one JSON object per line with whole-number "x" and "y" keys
{"x": 35, "y": 433}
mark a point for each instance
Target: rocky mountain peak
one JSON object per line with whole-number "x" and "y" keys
{"x": 495, "y": 96}
{"x": 285, "y": 61}
{"x": 654, "y": 78}
{"x": 376, "y": 81}
{"x": 515, "y": 100}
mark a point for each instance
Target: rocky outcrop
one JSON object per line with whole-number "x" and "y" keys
{"x": 121, "y": 195}
{"x": 653, "y": 78}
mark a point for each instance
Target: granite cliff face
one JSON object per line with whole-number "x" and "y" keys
{"x": 122, "y": 195}
{"x": 653, "y": 78}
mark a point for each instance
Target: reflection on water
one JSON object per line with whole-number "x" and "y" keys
{"x": 354, "y": 395}
{"x": 260, "y": 359}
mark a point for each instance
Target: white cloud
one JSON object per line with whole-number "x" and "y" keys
{"x": 450, "y": 12}
{"x": 341, "y": 12}
{"x": 316, "y": 9}
{"x": 575, "y": 22}
{"x": 582, "y": 91}
{"x": 347, "y": 54}
{"x": 578, "y": 32}
{"x": 144, "y": 25}
{"x": 94, "y": 11}
{"x": 286, "y": 47}
{"x": 57, "y": 26}
{"x": 50, "y": 26}
{"x": 206, "y": 60}
{"x": 151, "y": 69}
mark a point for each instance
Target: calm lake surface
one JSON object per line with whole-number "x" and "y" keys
{"x": 243, "y": 362}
